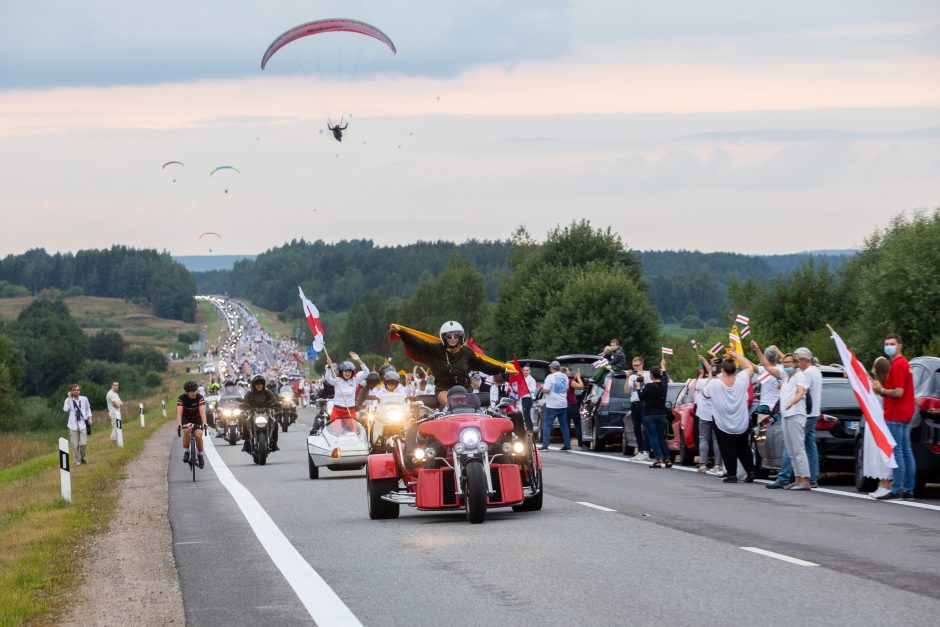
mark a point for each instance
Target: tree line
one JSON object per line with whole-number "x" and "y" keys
{"x": 118, "y": 272}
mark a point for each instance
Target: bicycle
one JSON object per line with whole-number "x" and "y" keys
{"x": 192, "y": 450}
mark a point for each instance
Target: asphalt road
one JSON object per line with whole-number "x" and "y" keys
{"x": 669, "y": 553}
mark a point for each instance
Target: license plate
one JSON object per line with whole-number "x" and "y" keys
{"x": 851, "y": 425}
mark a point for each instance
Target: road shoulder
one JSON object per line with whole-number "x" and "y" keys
{"x": 131, "y": 576}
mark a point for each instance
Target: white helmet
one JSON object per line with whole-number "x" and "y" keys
{"x": 451, "y": 326}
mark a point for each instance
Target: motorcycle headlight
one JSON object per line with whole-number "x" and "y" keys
{"x": 226, "y": 412}
{"x": 394, "y": 415}
{"x": 431, "y": 453}
{"x": 261, "y": 421}
{"x": 420, "y": 455}
{"x": 518, "y": 448}
{"x": 470, "y": 438}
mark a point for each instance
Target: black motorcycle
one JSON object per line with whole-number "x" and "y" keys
{"x": 259, "y": 428}
{"x": 287, "y": 411}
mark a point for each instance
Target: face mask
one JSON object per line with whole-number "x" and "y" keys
{"x": 788, "y": 369}
{"x": 891, "y": 350}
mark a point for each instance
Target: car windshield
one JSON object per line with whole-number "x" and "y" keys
{"x": 838, "y": 394}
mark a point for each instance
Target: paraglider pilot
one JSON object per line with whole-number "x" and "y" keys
{"x": 337, "y": 130}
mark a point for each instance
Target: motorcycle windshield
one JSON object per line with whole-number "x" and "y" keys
{"x": 345, "y": 426}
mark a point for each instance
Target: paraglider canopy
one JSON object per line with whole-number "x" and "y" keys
{"x": 163, "y": 167}
{"x": 210, "y": 233}
{"x": 325, "y": 26}
{"x": 224, "y": 167}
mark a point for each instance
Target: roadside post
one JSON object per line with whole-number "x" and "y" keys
{"x": 143, "y": 422}
{"x": 120, "y": 431}
{"x": 163, "y": 403}
{"x": 65, "y": 471}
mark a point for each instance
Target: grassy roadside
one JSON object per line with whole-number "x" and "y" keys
{"x": 46, "y": 540}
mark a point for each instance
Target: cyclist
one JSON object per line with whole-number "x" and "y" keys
{"x": 191, "y": 410}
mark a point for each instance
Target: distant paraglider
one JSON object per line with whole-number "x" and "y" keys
{"x": 209, "y": 234}
{"x": 174, "y": 163}
{"x": 223, "y": 168}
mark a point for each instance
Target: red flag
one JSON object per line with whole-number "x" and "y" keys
{"x": 518, "y": 379}
{"x": 473, "y": 346}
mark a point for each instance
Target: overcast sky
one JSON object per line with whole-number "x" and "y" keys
{"x": 737, "y": 125}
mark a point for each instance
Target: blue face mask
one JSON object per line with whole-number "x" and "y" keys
{"x": 788, "y": 369}
{"x": 891, "y": 350}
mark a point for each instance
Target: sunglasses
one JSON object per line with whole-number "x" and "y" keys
{"x": 451, "y": 336}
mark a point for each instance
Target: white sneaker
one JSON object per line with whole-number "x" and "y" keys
{"x": 716, "y": 471}
{"x": 879, "y": 492}
{"x": 641, "y": 457}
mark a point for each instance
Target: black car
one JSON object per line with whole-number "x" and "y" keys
{"x": 925, "y": 428}
{"x": 603, "y": 412}
{"x": 575, "y": 363}
{"x": 836, "y": 429}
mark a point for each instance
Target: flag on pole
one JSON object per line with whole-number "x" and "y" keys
{"x": 694, "y": 344}
{"x": 600, "y": 363}
{"x": 871, "y": 408}
{"x": 473, "y": 346}
{"x": 742, "y": 319}
{"x": 667, "y": 351}
{"x": 745, "y": 332}
{"x": 519, "y": 379}
{"x": 717, "y": 348}
{"x": 313, "y": 319}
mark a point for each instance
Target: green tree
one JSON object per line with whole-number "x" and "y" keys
{"x": 365, "y": 329}
{"x": 894, "y": 285}
{"x": 148, "y": 358}
{"x": 457, "y": 293}
{"x": 52, "y": 342}
{"x": 597, "y": 302}
{"x": 12, "y": 366}
{"x": 106, "y": 345}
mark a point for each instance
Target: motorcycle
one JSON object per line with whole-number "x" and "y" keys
{"x": 385, "y": 421}
{"x": 466, "y": 459}
{"x": 228, "y": 425}
{"x": 287, "y": 411}
{"x": 259, "y": 427}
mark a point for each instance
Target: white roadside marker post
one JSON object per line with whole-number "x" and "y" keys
{"x": 164, "y": 407}
{"x": 143, "y": 422}
{"x": 120, "y": 431}
{"x": 65, "y": 471}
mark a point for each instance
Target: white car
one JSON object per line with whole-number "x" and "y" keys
{"x": 208, "y": 369}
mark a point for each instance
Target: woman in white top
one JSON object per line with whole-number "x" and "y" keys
{"x": 707, "y": 438}
{"x": 731, "y": 413}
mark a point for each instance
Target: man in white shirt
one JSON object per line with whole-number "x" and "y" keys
{"x": 79, "y": 410}
{"x": 113, "y": 401}
{"x": 555, "y": 389}
{"x": 527, "y": 400}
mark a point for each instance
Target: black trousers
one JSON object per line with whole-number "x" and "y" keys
{"x": 734, "y": 446}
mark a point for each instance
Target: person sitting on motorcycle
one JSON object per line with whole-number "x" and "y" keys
{"x": 369, "y": 388}
{"x": 259, "y": 398}
{"x": 461, "y": 401}
{"x": 230, "y": 390}
{"x": 344, "y": 396}
{"x": 214, "y": 388}
{"x": 450, "y": 361}
{"x": 392, "y": 390}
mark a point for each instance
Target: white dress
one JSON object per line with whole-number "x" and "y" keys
{"x": 873, "y": 465}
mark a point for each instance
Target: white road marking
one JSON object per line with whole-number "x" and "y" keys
{"x": 854, "y": 495}
{"x": 778, "y": 556}
{"x": 600, "y": 507}
{"x": 323, "y": 605}
{"x": 192, "y": 542}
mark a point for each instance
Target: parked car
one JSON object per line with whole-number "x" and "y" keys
{"x": 836, "y": 431}
{"x": 208, "y": 369}
{"x": 684, "y": 426}
{"x": 925, "y": 428}
{"x": 575, "y": 363}
{"x": 538, "y": 368}
{"x": 603, "y": 412}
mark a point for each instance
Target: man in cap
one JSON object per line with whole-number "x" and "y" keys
{"x": 555, "y": 389}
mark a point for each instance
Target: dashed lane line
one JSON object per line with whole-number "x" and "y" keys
{"x": 778, "y": 556}
{"x": 854, "y": 495}
{"x": 592, "y": 505}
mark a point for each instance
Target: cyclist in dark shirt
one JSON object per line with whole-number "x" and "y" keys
{"x": 191, "y": 410}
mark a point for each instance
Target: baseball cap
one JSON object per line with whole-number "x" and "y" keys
{"x": 555, "y": 364}
{"x": 803, "y": 353}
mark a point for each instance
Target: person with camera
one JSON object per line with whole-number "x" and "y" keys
{"x": 80, "y": 421}
{"x": 634, "y": 382}
{"x": 653, "y": 396}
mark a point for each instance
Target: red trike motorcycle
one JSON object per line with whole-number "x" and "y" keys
{"x": 464, "y": 458}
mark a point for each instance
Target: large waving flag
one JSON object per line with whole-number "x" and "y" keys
{"x": 871, "y": 408}
{"x": 517, "y": 380}
{"x": 313, "y": 319}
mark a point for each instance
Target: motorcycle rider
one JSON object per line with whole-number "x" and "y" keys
{"x": 450, "y": 361}
{"x": 258, "y": 398}
{"x": 392, "y": 390}
{"x": 344, "y": 397}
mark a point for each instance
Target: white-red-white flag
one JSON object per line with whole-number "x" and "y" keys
{"x": 871, "y": 408}
{"x": 745, "y": 332}
{"x": 742, "y": 319}
{"x": 313, "y": 319}
{"x": 667, "y": 351}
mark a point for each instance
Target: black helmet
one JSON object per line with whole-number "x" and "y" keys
{"x": 255, "y": 379}
{"x": 457, "y": 396}
{"x": 190, "y": 386}
{"x": 228, "y": 383}
{"x": 373, "y": 379}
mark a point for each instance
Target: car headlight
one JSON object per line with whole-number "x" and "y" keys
{"x": 470, "y": 438}
{"x": 261, "y": 421}
{"x": 394, "y": 415}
